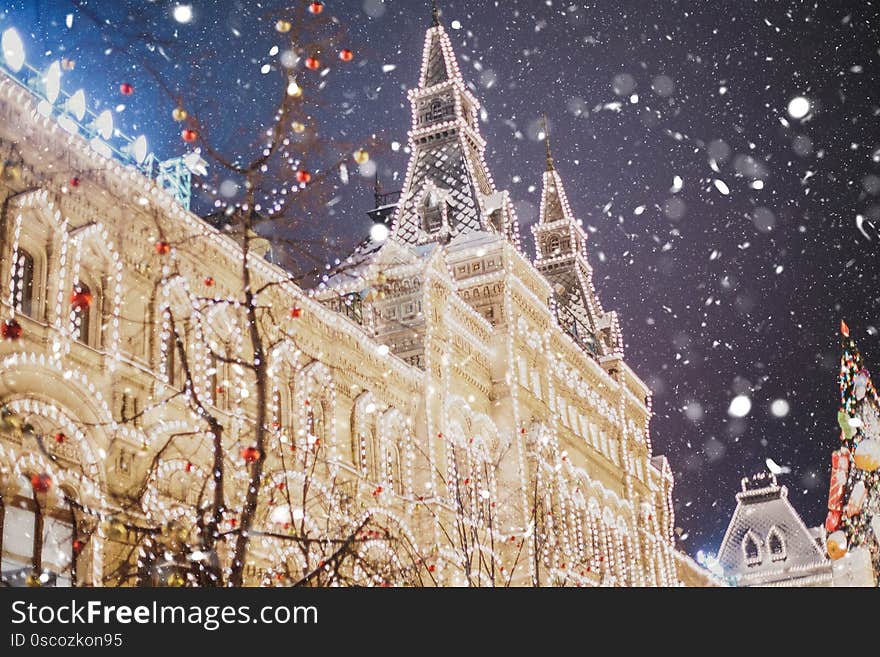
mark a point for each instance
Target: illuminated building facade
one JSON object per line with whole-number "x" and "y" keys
{"x": 477, "y": 400}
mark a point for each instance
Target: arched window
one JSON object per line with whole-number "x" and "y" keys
{"x": 393, "y": 468}
{"x": 776, "y": 545}
{"x": 34, "y": 540}
{"x": 81, "y": 307}
{"x": 24, "y": 283}
{"x": 554, "y": 245}
{"x": 432, "y": 213}
{"x": 751, "y": 550}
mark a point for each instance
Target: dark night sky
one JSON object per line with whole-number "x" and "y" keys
{"x": 719, "y": 294}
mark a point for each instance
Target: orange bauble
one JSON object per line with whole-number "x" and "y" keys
{"x": 313, "y": 63}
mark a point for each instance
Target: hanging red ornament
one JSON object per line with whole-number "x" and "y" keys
{"x": 41, "y": 482}
{"x": 303, "y": 176}
{"x": 163, "y": 248}
{"x": 313, "y": 63}
{"x": 377, "y": 491}
{"x": 189, "y": 135}
{"x": 78, "y": 546}
{"x": 60, "y": 437}
{"x": 10, "y": 330}
{"x": 74, "y": 182}
{"x": 295, "y": 312}
{"x": 188, "y": 467}
{"x": 316, "y": 7}
{"x": 250, "y": 454}
{"x": 209, "y": 281}
{"x": 126, "y": 89}
{"x": 346, "y": 55}
{"x": 432, "y": 568}
{"x": 80, "y": 299}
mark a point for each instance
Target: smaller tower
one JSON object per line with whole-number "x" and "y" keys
{"x": 561, "y": 255}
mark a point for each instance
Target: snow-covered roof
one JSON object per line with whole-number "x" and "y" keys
{"x": 766, "y": 541}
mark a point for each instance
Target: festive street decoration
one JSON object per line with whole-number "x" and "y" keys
{"x": 855, "y": 480}
{"x": 312, "y": 63}
{"x": 189, "y": 135}
{"x": 10, "y": 330}
{"x": 126, "y": 89}
{"x": 179, "y": 114}
{"x": 316, "y": 7}
{"x": 346, "y": 55}
{"x": 283, "y": 26}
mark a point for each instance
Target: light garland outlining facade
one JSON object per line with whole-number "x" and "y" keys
{"x": 495, "y": 442}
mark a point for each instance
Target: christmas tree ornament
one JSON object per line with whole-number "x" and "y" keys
{"x": 298, "y": 127}
{"x": 250, "y": 454}
{"x": 175, "y": 580}
{"x": 836, "y": 545}
{"x": 163, "y": 248}
{"x": 856, "y": 499}
{"x": 78, "y": 546}
{"x": 867, "y": 456}
{"x": 295, "y": 312}
{"x": 80, "y": 299}
{"x": 126, "y": 89}
{"x": 74, "y": 181}
{"x": 189, "y": 135}
{"x": 312, "y": 63}
{"x": 346, "y": 55}
{"x": 179, "y": 114}
{"x": 283, "y": 26}
{"x": 209, "y": 281}
{"x": 116, "y": 530}
{"x": 41, "y": 483}
{"x": 10, "y": 330}
{"x": 845, "y": 422}
{"x": 316, "y": 7}
{"x": 303, "y": 176}
{"x": 860, "y": 384}
{"x": 33, "y": 580}
{"x": 839, "y": 471}
{"x": 60, "y": 437}
{"x": 361, "y": 156}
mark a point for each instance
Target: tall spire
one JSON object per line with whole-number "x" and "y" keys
{"x": 435, "y": 14}
{"x": 448, "y": 190}
{"x": 550, "y": 166}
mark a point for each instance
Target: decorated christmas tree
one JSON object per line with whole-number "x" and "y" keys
{"x": 853, "y": 522}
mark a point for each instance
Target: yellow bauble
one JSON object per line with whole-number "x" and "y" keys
{"x": 836, "y": 545}
{"x": 176, "y": 580}
{"x": 298, "y": 127}
{"x": 361, "y": 156}
{"x": 179, "y": 114}
{"x": 867, "y": 456}
{"x": 283, "y": 26}
{"x": 33, "y": 580}
{"x": 116, "y": 530}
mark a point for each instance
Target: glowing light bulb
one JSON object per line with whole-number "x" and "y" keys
{"x": 52, "y": 81}
{"x": 13, "y": 49}
{"x": 76, "y": 104}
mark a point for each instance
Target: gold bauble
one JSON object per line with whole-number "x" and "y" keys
{"x": 116, "y": 530}
{"x": 179, "y": 114}
{"x": 361, "y": 156}
{"x": 33, "y": 579}
{"x": 867, "y": 456}
{"x": 283, "y": 26}
{"x": 836, "y": 545}
{"x": 298, "y": 127}
{"x": 176, "y": 580}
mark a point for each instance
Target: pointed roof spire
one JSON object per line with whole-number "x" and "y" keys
{"x": 435, "y": 14}
{"x": 550, "y": 166}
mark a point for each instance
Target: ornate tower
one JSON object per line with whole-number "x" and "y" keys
{"x": 561, "y": 255}
{"x": 448, "y": 190}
